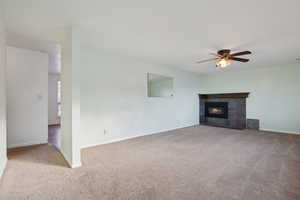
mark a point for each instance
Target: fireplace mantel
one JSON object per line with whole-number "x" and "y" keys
{"x": 224, "y": 95}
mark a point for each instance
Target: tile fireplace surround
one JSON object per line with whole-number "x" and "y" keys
{"x": 236, "y": 117}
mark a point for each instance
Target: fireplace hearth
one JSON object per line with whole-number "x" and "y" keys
{"x": 225, "y": 110}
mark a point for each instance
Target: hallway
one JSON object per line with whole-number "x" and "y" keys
{"x": 53, "y": 135}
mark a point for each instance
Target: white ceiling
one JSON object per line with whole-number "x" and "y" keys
{"x": 170, "y": 32}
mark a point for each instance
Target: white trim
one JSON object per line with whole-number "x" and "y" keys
{"x": 136, "y": 136}
{"x": 26, "y": 144}
{"x": 280, "y": 131}
{"x": 71, "y": 165}
{"x": 2, "y": 168}
{"x": 76, "y": 165}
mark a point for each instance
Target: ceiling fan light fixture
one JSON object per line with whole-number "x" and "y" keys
{"x": 223, "y": 62}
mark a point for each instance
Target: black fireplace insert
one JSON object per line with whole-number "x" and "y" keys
{"x": 216, "y": 109}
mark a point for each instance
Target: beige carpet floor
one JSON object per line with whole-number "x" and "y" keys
{"x": 199, "y": 163}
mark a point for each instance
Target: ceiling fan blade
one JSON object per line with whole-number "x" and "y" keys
{"x": 239, "y": 59}
{"x": 207, "y": 60}
{"x": 241, "y": 53}
{"x": 215, "y": 54}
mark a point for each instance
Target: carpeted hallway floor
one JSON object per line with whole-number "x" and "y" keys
{"x": 192, "y": 163}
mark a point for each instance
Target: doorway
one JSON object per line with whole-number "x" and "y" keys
{"x": 33, "y": 92}
{"x": 54, "y": 109}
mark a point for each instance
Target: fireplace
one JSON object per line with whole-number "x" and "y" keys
{"x": 223, "y": 110}
{"x": 216, "y": 109}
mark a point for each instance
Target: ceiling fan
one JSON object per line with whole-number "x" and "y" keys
{"x": 225, "y": 58}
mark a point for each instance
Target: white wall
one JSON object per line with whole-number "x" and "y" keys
{"x": 52, "y": 99}
{"x": 274, "y": 94}
{"x": 27, "y": 97}
{"x": 3, "y": 157}
{"x": 70, "y": 121}
{"x": 114, "y": 98}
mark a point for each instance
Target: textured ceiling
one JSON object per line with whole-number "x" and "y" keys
{"x": 169, "y": 32}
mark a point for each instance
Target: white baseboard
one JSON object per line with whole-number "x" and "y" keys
{"x": 2, "y": 167}
{"x": 136, "y": 136}
{"x": 76, "y": 165}
{"x": 280, "y": 131}
{"x": 71, "y": 165}
{"x": 26, "y": 144}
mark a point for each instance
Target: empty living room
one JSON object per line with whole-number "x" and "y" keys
{"x": 149, "y": 100}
